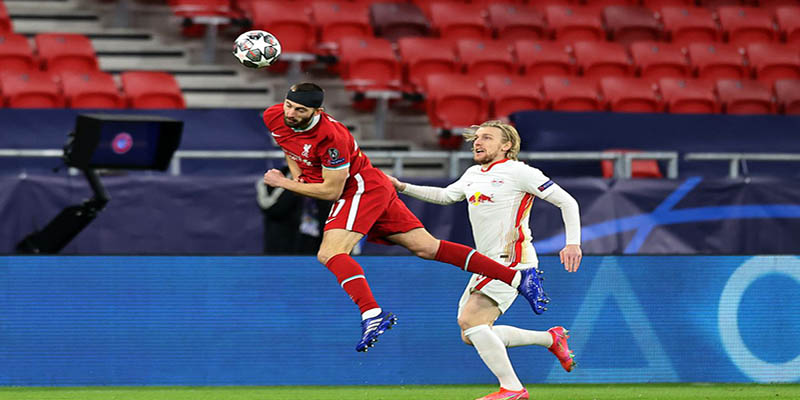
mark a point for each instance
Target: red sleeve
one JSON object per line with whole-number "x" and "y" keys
{"x": 336, "y": 149}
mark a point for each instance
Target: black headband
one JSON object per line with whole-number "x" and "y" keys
{"x": 311, "y": 99}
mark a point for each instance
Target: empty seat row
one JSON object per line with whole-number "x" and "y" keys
{"x": 301, "y": 26}
{"x": 458, "y": 100}
{"x": 55, "y": 52}
{"x": 89, "y": 89}
{"x": 369, "y": 64}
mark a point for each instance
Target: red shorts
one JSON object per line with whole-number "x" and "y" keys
{"x": 369, "y": 205}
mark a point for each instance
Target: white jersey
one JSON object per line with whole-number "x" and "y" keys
{"x": 500, "y": 199}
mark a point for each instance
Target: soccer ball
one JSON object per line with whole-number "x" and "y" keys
{"x": 257, "y": 49}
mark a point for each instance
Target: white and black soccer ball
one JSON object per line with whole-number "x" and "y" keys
{"x": 257, "y": 49}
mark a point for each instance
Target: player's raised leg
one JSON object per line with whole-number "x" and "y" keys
{"x": 334, "y": 253}
{"x": 424, "y": 245}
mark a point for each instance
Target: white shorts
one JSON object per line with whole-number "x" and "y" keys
{"x": 502, "y": 293}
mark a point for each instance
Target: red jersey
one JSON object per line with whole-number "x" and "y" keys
{"x": 326, "y": 145}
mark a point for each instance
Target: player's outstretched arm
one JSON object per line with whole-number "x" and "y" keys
{"x": 431, "y": 194}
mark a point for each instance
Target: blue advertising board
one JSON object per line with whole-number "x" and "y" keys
{"x": 284, "y": 321}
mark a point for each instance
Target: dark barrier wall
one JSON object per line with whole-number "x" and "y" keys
{"x": 593, "y": 131}
{"x": 161, "y": 214}
{"x": 285, "y": 321}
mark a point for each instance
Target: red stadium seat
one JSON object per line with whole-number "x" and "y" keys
{"x": 639, "y": 168}
{"x": 369, "y": 64}
{"x": 685, "y": 25}
{"x": 30, "y": 89}
{"x": 396, "y": 20}
{"x": 571, "y": 23}
{"x": 745, "y": 97}
{"x": 421, "y": 56}
{"x": 152, "y": 89}
{"x": 15, "y": 53}
{"x": 655, "y": 60}
{"x": 743, "y": 25}
{"x": 628, "y": 24}
{"x": 788, "y": 18}
{"x": 340, "y": 19}
{"x": 5, "y": 20}
{"x": 455, "y": 100}
{"x": 571, "y": 93}
{"x": 91, "y": 90}
{"x": 66, "y": 52}
{"x": 787, "y": 93}
{"x": 485, "y": 57}
{"x": 290, "y": 22}
{"x": 598, "y": 59}
{"x": 772, "y": 61}
{"x": 689, "y": 96}
{"x": 717, "y": 61}
{"x": 658, "y": 4}
{"x": 460, "y": 21}
{"x": 517, "y": 21}
{"x": 541, "y": 58}
{"x": 623, "y": 94}
{"x": 508, "y": 94}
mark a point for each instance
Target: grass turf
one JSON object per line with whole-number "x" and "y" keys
{"x": 680, "y": 391}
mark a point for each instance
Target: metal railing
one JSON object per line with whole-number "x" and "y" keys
{"x": 399, "y": 159}
{"x": 735, "y": 159}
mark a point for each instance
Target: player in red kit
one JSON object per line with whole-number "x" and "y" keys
{"x": 327, "y": 163}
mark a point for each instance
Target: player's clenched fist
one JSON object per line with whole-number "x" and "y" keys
{"x": 274, "y": 178}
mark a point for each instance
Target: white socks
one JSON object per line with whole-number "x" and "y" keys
{"x": 512, "y": 336}
{"x": 492, "y": 351}
{"x": 371, "y": 313}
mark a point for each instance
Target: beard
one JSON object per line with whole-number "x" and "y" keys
{"x": 298, "y": 123}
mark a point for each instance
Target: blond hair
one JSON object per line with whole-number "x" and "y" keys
{"x": 510, "y": 135}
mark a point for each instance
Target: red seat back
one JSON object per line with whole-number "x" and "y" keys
{"x": 152, "y": 89}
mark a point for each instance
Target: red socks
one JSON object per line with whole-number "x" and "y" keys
{"x": 351, "y": 278}
{"x": 470, "y": 260}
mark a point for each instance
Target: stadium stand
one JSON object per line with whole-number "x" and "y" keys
{"x": 15, "y": 53}
{"x": 516, "y": 21}
{"x": 541, "y": 58}
{"x": 574, "y": 23}
{"x": 689, "y": 96}
{"x": 745, "y": 97}
{"x": 395, "y": 20}
{"x": 788, "y": 19}
{"x": 455, "y": 100}
{"x": 639, "y": 168}
{"x": 717, "y": 61}
{"x": 93, "y": 89}
{"x": 628, "y": 24}
{"x": 30, "y": 89}
{"x": 151, "y": 89}
{"x": 337, "y": 20}
{"x": 655, "y": 60}
{"x": 484, "y": 57}
{"x": 423, "y": 56}
{"x": 508, "y": 94}
{"x": 292, "y": 24}
{"x": 571, "y": 93}
{"x": 686, "y": 25}
{"x": 787, "y": 94}
{"x": 65, "y": 52}
{"x": 772, "y": 61}
{"x": 459, "y": 21}
{"x": 5, "y": 20}
{"x": 742, "y": 25}
{"x": 624, "y": 94}
{"x": 598, "y": 59}
{"x": 369, "y": 64}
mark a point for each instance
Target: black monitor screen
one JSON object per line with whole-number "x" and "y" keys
{"x": 126, "y": 143}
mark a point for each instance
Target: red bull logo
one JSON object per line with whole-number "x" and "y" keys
{"x": 479, "y": 198}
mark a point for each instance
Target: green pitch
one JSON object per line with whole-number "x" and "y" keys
{"x": 411, "y": 392}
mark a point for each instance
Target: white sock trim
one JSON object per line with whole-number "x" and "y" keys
{"x": 371, "y": 313}
{"x": 351, "y": 278}
{"x": 469, "y": 256}
{"x": 474, "y": 329}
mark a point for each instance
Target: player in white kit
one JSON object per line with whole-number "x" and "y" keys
{"x": 500, "y": 191}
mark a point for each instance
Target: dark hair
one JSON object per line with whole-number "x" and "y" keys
{"x": 306, "y": 93}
